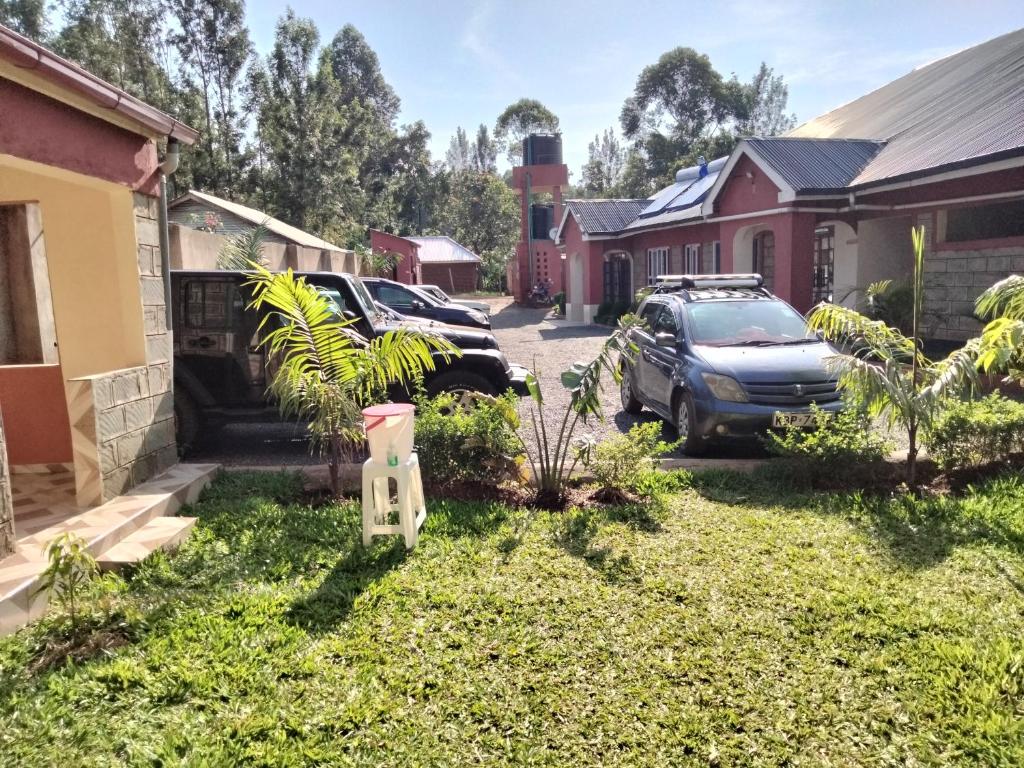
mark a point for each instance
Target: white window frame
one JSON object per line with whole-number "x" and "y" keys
{"x": 657, "y": 264}
{"x": 716, "y": 258}
{"x": 691, "y": 259}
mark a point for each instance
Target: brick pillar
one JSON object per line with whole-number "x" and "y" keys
{"x": 794, "y": 258}
{"x": 6, "y": 504}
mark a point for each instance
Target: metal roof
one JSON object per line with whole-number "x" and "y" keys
{"x": 442, "y": 249}
{"x": 953, "y": 111}
{"x": 816, "y": 165}
{"x": 278, "y": 227}
{"x": 605, "y": 217}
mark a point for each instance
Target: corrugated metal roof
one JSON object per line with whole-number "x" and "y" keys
{"x": 442, "y": 249}
{"x": 278, "y": 227}
{"x": 605, "y": 217}
{"x": 960, "y": 108}
{"x": 816, "y": 165}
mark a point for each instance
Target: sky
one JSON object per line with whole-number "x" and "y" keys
{"x": 458, "y": 63}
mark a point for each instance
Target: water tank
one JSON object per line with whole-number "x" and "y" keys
{"x": 542, "y": 219}
{"x": 542, "y": 149}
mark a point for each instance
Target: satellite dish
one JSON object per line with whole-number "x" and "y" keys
{"x": 553, "y": 233}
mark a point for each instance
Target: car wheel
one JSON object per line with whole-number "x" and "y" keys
{"x": 630, "y": 403}
{"x": 463, "y": 385}
{"x": 686, "y": 426}
{"x": 188, "y": 420}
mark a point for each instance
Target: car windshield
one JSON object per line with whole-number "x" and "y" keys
{"x": 756, "y": 323}
{"x": 425, "y": 296}
{"x": 437, "y": 293}
{"x": 364, "y": 298}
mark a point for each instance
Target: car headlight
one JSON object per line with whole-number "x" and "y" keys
{"x": 725, "y": 387}
{"x": 477, "y": 316}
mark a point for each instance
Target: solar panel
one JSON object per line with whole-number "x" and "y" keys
{"x": 663, "y": 198}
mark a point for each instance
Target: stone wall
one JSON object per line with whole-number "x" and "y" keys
{"x": 6, "y": 505}
{"x": 122, "y": 422}
{"x": 953, "y": 279}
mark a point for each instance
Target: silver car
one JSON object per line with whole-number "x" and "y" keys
{"x": 440, "y": 295}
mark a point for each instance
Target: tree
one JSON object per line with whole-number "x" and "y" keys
{"x": 458, "y": 156}
{"x": 357, "y": 70}
{"x": 484, "y": 152}
{"x": 518, "y": 121}
{"x": 603, "y": 169}
{"x": 767, "y": 95}
{"x": 214, "y": 48}
{"x": 27, "y": 17}
{"x": 887, "y": 371}
{"x": 327, "y": 371}
{"x": 308, "y": 173}
{"x": 480, "y": 211}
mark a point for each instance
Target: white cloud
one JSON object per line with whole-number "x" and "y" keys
{"x": 477, "y": 40}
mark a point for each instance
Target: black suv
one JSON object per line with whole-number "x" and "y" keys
{"x": 720, "y": 358}
{"x": 410, "y": 300}
{"x": 220, "y": 369}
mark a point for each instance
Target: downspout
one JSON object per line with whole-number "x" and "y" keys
{"x": 167, "y": 168}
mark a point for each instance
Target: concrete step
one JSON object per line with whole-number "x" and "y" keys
{"x": 164, "y": 533}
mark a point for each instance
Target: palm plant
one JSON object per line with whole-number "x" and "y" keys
{"x": 1001, "y": 347}
{"x": 554, "y": 447}
{"x": 887, "y": 371}
{"x": 243, "y": 250}
{"x": 326, "y": 370}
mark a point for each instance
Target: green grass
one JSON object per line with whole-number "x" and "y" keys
{"x": 735, "y": 624}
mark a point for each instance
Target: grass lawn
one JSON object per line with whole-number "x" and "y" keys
{"x": 734, "y": 624}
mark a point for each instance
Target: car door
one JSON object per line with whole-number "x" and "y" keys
{"x": 662, "y": 362}
{"x": 643, "y": 337}
{"x": 403, "y": 300}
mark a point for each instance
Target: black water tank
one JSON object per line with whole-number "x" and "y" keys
{"x": 542, "y": 149}
{"x": 542, "y": 219}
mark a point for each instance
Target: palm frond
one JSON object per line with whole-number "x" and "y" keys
{"x": 848, "y": 326}
{"x": 951, "y": 376}
{"x": 1001, "y": 347}
{"x": 1004, "y": 299}
{"x": 243, "y": 250}
{"x": 884, "y": 389}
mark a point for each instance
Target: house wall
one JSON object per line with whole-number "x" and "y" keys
{"x": 186, "y": 211}
{"x": 406, "y": 271}
{"x": 458, "y": 277}
{"x": 194, "y": 249}
{"x": 6, "y": 503}
{"x": 60, "y": 133}
{"x": 746, "y": 194}
{"x": 32, "y": 406}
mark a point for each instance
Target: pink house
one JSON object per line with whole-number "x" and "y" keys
{"x": 828, "y": 208}
{"x": 430, "y": 260}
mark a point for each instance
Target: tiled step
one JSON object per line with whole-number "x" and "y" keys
{"x": 166, "y": 533}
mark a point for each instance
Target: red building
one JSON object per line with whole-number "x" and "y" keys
{"x": 430, "y": 260}
{"x": 828, "y": 208}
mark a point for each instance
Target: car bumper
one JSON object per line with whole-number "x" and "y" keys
{"x": 517, "y": 379}
{"x": 722, "y": 420}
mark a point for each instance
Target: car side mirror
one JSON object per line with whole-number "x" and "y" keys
{"x": 417, "y": 304}
{"x": 665, "y": 339}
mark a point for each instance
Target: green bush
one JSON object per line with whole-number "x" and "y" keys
{"x": 560, "y": 302}
{"x": 840, "y": 442}
{"x": 970, "y": 433}
{"x": 478, "y": 443}
{"x": 622, "y": 462}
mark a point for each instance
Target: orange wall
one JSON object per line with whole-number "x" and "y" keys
{"x": 35, "y": 414}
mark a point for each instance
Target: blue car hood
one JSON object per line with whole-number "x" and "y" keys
{"x": 783, "y": 364}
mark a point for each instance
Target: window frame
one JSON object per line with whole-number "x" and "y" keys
{"x": 691, "y": 258}
{"x": 661, "y": 253}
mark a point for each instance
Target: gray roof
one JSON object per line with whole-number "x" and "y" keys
{"x": 951, "y": 112}
{"x": 605, "y": 217}
{"x": 278, "y": 227}
{"x": 442, "y": 250}
{"x": 816, "y": 165}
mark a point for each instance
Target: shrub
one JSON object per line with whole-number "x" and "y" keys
{"x": 974, "y": 432}
{"x": 841, "y": 442}
{"x": 478, "y": 443}
{"x": 620, "y": 463}
{"x": 559, "y": 300}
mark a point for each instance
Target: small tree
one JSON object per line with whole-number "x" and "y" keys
{"x": 327, "y": 370}
{"x": 1001, "y": 348}
{"x": 887, "y": 370}
{"x": 71, "y": 571}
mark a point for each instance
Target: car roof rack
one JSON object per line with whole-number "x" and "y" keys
{"x": 752, "y": 280}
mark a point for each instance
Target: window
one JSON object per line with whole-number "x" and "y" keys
{"x": 666, "y": 321}
{"x": 650, "y": 312}
{"x": 212, "y": 305}
{"x": 657, "y": 264}
{"x": 764, "y": 257}
{"x": 691, "y": 259}
{"x": 985, "y": 222}
{"x": 729, "y": 323}
{"x": 394, "y": 297}
{"x": 716, "y": 257}
{"x": 824, "y": 264}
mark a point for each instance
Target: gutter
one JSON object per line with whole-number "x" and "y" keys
{"x": 26, "y": 54}
{"x": 167, "y": 167}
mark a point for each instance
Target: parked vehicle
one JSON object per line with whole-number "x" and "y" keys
{"x": 444, "y": 298}
{"x": 722, "y": 358}
{"x": 409, "y": 300}
{"x": 220, "y": 368}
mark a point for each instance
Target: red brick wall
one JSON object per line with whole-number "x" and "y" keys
{"x": 405, "y": 272}
{"x": 746, "y": 195}
{"x": 451, "y": 278}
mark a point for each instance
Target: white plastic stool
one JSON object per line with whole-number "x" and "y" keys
{"x": 377, "y": 506}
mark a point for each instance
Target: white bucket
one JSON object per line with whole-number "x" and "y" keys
{"x": 389, "y": 431}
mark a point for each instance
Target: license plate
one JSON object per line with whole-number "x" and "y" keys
{"x": 786, "y": 419}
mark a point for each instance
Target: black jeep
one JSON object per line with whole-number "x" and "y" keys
{"x": 220, "y": 368}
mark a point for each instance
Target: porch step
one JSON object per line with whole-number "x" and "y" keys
{"x": 164, "y": 533}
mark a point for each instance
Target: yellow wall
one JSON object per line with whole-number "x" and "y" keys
{"x": 89, "y": 234}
